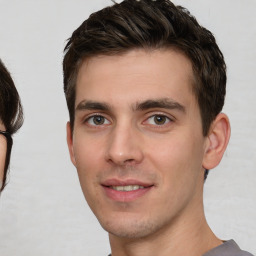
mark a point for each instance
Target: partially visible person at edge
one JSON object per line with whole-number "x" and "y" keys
{"x": 145, "y": 86}
{"x": 11, "y": 119}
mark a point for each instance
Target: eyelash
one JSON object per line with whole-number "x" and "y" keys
{"x": 167, "y": 120}
{"x": 95, "y": 116}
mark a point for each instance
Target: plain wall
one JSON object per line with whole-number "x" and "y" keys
{"x": 42, "y": 210}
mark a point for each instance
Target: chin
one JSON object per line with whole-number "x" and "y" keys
{"x": 132, "y": 229}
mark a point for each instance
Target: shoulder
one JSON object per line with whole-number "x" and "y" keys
{"x": 244, "y": 253}
{"x": 228, "y": 248}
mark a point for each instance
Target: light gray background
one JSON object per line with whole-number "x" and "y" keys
{"x": 42, "y": 210}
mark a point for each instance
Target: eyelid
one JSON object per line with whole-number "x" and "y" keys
{"x": 168, "y": 116}
{"x": 91, "y": 115}
{"x": 160, "y": 113}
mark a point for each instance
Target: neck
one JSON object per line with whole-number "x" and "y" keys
{"x": 188, "y": 235}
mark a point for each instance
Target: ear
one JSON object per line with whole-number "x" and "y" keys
{"x": 217, "y": 141}
{"x": 70, "y": 143}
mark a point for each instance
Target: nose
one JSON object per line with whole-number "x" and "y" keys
{"x": 124, "y": 146}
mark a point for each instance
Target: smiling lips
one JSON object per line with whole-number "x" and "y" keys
{"x": 125, "y": 191}
{"x": 127, "y": 188}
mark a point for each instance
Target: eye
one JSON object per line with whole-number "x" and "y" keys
{"x": 158, "y": 120}
{"x": 97, "y": 120}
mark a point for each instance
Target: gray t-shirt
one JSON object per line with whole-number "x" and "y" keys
{"x": 228, "y": 248}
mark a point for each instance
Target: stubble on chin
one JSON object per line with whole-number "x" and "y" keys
{"x": 135, "y": 229}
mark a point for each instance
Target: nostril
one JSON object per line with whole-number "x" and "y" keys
{"x": 123, "y": 149}
{"x": 128, "y": 160}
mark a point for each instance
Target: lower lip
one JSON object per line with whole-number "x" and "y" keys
{"x": 126, "y": 196}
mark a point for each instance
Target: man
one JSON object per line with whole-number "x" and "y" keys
{"x": 145, "y": 86}
{"x": 11, "y": 119}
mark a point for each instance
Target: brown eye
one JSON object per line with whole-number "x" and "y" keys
{"x": 97, "y": 120}
{"x": 160, "y": 120}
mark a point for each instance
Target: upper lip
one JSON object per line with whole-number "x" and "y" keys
{"x": 127, "y": 182}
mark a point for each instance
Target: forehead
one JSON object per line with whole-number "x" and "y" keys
{"x": 134, "y": 76}
{"x": 2, "y": 128}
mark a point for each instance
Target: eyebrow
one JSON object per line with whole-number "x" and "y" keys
{"x": 92, "y": 105}
{"x": 164, "y": 103}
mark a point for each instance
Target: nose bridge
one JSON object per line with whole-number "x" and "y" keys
{"x": 123, "y": 144}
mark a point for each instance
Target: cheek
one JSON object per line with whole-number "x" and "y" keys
{"x": 87, "y": 150}
{"x": 179, "y": 164}
{"x": 3, "y": 149}
{"x": 88, "y": 154}
{"x": 178, "y": 157}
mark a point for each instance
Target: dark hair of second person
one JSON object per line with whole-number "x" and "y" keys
{"x": 11, "y": 116}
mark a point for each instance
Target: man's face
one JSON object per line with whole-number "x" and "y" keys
{"x": 137, "y": 143}
{"x": 3, "y": 149}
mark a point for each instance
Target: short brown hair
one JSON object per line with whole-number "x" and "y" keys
{"x": 11, "y": 114}
{"x": 150, "y": 24}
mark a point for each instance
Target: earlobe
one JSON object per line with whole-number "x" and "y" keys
{"x": 70, "y": 143}
{"x": 217, "y": 141}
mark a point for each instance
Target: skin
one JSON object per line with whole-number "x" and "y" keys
{"x": 3, "y": 149}
{"x": 148, "y": 129}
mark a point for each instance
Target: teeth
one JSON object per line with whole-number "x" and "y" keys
{"x": 127, "y": 188}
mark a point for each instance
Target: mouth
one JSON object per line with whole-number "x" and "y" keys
{"x": 125, "y": 191}
{"x": 127, "y": 188}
